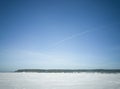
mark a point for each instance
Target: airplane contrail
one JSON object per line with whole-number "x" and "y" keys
{"x": 72, "y": 36}
{"x": 82, "y": 33}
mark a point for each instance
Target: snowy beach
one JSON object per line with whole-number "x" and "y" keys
{"x": 59, "y": 81}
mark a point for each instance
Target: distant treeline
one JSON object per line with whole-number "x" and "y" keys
{"x": 70, "y": 70}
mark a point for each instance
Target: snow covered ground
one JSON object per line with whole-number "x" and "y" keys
{"x": 59, "y": 81}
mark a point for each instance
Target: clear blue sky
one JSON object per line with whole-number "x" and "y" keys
{"x": 59, "y": 34}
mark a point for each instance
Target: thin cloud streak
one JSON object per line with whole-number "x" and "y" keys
{"x": 71, "y": 37}
{"x": 83, "y": 33}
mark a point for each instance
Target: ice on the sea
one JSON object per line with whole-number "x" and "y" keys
{"x": 59, "y": 81}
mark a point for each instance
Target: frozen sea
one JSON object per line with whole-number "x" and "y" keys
{"x": 59, "y": 81}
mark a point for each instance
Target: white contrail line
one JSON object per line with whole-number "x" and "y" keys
{"x": 72, "y": 36}
{"x": 82, "y": 33}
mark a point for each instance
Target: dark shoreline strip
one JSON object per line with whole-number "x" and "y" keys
{"x": 70, "y": 70}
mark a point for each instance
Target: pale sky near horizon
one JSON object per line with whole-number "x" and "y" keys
{"x": 70, "y": 34}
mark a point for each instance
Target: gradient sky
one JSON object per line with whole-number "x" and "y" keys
{"x": 69, "y": 34}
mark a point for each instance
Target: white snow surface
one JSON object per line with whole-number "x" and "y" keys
{"x": 59, "y": 81}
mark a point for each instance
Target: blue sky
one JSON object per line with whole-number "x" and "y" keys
{"x": 71, "y": 34}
